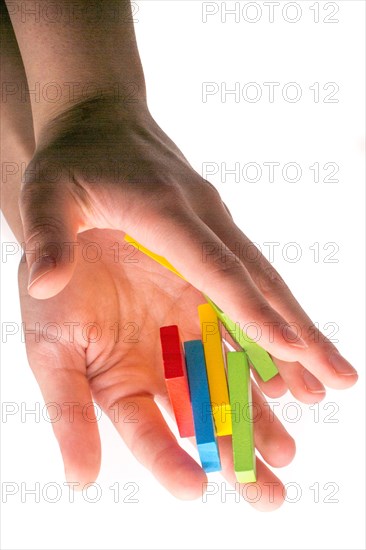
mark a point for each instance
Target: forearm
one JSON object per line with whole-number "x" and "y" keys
{"x": 86, "y": 49}
{"x": 16, "y": 136}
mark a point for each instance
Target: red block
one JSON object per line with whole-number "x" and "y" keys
{"x": 176, "y": 379}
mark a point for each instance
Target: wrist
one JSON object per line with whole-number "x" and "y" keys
{"x": 93, "y": 54}
{"x": 124, "y": 99}
{"x": 95, "y": 113}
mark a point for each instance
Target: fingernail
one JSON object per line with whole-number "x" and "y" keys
{"x": 312, "y": 384}
{"x": 40, "y": 267}
{"x": 341, "y": 365}
{"x": 293, "y": 339}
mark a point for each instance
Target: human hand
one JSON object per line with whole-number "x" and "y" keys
{"x": 99, "y": 339}
{"x": 101, "y": 165}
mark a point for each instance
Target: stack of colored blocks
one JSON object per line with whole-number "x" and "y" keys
{"x": 210, "y": 397}
{"x": 209, "y": 401}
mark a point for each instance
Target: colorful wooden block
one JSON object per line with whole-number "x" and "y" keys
{"x": 160, "y": 259}
{"x": 259, "y": 358}
{"x": 201, "y": 405}
{"x": 215, "y": 366}
{"x": 242, "y": 416}
{"x": 176, "y": 379}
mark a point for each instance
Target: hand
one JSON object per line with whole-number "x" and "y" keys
{"x": 102, "y": 165}
{"x": 99, "y": 338}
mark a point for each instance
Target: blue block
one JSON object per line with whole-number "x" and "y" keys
{"x": 201, "y": 406}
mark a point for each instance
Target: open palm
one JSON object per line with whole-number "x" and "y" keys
{"x": 99, "y": 339}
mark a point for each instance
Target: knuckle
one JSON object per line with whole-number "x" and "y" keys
{"x": 269, "y": 281}
{"x": 35, "y": 197}
{"x": 224, "y": 261}
{"x": 227, "y": 211}
{"x": 168, "y": 201}
{"x": 42, "y": 238}
{"x": 313, "y": 335}
{"x": 156, "y": 194}
{"x": 46, "y": 227}
{"x": 222, "y": 264}
{"x": 211, "y": 190}
{"x": 168, "y": 193}
{"x": 207, "y": 200}
{"x": 264, "y": 309}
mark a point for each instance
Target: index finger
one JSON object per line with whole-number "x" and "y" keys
{"x": 219, "y": 275}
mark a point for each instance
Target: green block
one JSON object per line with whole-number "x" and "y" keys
{"x": 242, "y": 416}
{"x": 259, "y": 357}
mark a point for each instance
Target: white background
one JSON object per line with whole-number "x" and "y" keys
{"x": 179, "y": 53}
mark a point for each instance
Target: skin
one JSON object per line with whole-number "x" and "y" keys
{"x": 124, "y": 376}
{"x": 142, "y": 184}
{"x": 161, "y": 201}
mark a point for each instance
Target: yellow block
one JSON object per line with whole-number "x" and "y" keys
{"x": 160, "y": 259}
{"x": 215, "y": 365}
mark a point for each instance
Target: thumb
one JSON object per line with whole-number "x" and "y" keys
{"x": 50, "y": 218}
